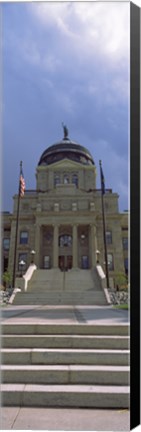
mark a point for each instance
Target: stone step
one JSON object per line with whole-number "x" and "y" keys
{"x": 44, "y": 288}
{"x": 63, "y": 356}
{"x": 65, "y": 374}
{"x": 66, "y": 293}
{"x": 64, "y": 341}
{"x": 72, "y": 364}
{"x": 91, "y": 396}
{"x": 67, "y": 329}
{"x": 56, "y": 280}
{"x": 60, "y": 297}
{"x": 43, "y": 302}
{"x": 49, "y": 287}
{"x": 45, "y": 275}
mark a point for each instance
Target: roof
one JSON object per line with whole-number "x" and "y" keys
{"x": 66, "y": 148}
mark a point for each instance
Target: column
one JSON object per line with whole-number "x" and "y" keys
{"x": 55, "y": 246}
{"x": 93, "y": 244}
{"x": 37, "y": 245}
{"x": 75, "y": 247}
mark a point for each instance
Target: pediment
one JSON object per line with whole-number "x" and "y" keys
{"x": 65, "y": 164}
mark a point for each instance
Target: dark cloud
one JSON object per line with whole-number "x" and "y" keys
{"x": 53, "y": 74}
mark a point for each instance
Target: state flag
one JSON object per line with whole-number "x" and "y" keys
{"x": 102, "y": 180}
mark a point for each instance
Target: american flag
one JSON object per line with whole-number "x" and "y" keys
{"x": 22, "y": 184}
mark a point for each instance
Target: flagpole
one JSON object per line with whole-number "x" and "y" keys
{"x": 104, "y": 225}
{"x": 16, "y": 234}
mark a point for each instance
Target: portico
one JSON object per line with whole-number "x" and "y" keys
{"x": 65, "y": 246}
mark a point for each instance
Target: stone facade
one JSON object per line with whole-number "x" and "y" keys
{"x": 62, "y": 221}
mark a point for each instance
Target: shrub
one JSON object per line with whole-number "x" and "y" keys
{"x": 6, "y": 278}
{"x": 121, "y": 281}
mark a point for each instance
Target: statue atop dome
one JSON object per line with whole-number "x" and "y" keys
{"x": 66, "y": 132}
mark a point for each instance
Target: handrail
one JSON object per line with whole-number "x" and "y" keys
{"x": 27, "y": 276}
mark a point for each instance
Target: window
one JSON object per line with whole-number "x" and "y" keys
{"x": 125, "y": 243}
{"x": 84, "y": 262}
{"x": 22, "y": 257}
{"x": 124, "y": 228}
{"x": 126, "y": 265}
{"x": 47, "y": 238}
{"x": 110, "y": 262}
{"x": 56, "y": 179}
{"x": 23, "y": 237}
{"x": 66, "y": 179}
{"x": 108, "y": 237}
{"x": 65, "y": 240}
{"x": 6, "y": 243}
{"x": 25, "y": 207}
{"x": 75, "y": 179}
{"x": 5, "y": 263}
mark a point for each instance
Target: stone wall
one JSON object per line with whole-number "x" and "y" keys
{"x": 119, "y": 297}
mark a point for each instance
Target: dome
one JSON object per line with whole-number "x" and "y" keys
{"x": 63, "y": 149}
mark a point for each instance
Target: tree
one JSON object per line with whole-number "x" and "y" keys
{"x": 121, "y": 281}
{"x": 7, "y": 278}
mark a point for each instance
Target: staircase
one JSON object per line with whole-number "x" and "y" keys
{"x": 55, "y": 287}
{"x": 65, "y": 365}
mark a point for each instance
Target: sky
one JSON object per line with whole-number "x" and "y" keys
{"x": 65, "y": 62}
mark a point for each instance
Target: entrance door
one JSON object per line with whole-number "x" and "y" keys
{"x": 69, "y": 262}
{"x": 46, "y": 262}
{"x": 62, "y": 262}
{"x": 84, "y": 262}
{"x": 65, "y": 262}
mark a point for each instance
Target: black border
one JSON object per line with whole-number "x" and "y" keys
{"x": 135, "y": 214}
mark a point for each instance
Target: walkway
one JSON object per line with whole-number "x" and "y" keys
{"x": 65, "y": 419}
{"x": 64, "y": 314}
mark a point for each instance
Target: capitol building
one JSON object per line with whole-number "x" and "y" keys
{"x": 61, "y": 220}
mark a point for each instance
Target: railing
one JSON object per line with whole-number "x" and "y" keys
{"x": 99, "y": 190}
{"x": 27, "y": 276}
{"x": 102, "y": 277}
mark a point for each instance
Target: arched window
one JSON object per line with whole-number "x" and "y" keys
{"x": 65, "y": 240}
{"x": 66, "y": 179}
{"x": 75, "y": 179}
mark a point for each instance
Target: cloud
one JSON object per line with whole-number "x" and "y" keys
{"x": 110, "y": 90}
{"x": 79, "y": 41}
{"x": 120, "y": 88}
{"x": 123, "y": 189}
{"x": 29, "y": 51}
{"x": 101, "y": 26}
{"x": 69, "y": 62}
{"x": 118, "y": 171}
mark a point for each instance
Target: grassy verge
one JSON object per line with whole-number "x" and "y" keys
{"x": 121, "y": 306}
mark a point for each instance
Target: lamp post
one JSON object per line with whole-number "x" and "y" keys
{"x": 97, "y": 256}
{"x": 32, "y": 256}
{"x": 22, "y": 264}
{"x": 108, "y": 264}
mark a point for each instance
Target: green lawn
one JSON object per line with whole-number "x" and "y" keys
{"x": 121, "y": 306}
